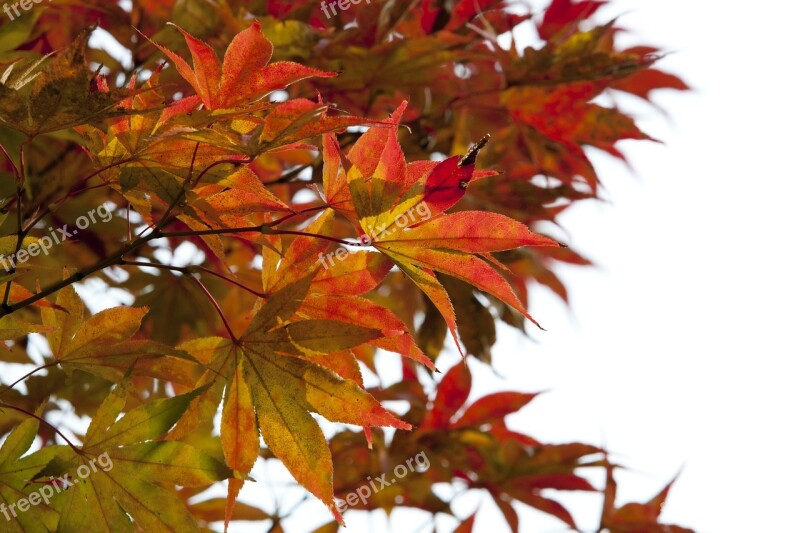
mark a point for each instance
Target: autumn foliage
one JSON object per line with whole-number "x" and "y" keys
{"x": 288, "y": 195}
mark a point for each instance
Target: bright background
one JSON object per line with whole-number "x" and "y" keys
{"x": 679, "y": 350}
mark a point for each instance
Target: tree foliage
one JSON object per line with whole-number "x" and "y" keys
{"x": 277, "y": 195}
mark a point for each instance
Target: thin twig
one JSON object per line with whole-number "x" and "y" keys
{"x": 20, "y": 231}
{"x": 187, "y": 271}
{"x": 229, "y": 280}
{"x": 289, "y": 176}
{"x": 216, "y": 306}
{"x": 42, "y": 420}
{"x": 263, "y": 228}
{"x": 13, "y": 165}
{"x": 26, "y": 376}
{"x": 58, "y": 202}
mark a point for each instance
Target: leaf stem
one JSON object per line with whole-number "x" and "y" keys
{"x": 289, "y": 176}
{"x": 20, "y": 230}
{"x": 262, "y": 228}
{"x": 217, "y": 306}
{"x": 187, "y": 271}
{"x": 43, "y": 421}
{"x": 80, "y": 275}
{"x": 26, "y": 376}
{"x": 157, "y": 233}
{"x": 13, "y": 165}
{"x": 229, "y": 280}
{"x": 115, "y": 258}
{"x": 51, "y": 208}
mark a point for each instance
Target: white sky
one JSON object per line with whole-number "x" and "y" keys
{"x": 679, "y": 351}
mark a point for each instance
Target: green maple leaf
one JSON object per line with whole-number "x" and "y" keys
{"x": 121, "y": 479}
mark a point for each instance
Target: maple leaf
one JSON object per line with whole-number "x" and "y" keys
{"x": 413, "y": 490}
{"x": 578, "y": 122}
{"x": 334, "y": 290}
{"x": 476, "y": 326}
{"x": 127, "y": 491}
{"x": 642, "y": 83}
{"x": 489, "y": 411}
{"x": 386, "y": 190}
{"x": 60, "y": 94}
{"x": 16, "y": 472}
{"x": 361, "y": 312}
{"x": 536, "y": 468}
{"x": 451, "y": 394}
{"x": 12, "y": 328}
{"x": 227, "y": 202}
{"x": 484, "y": 454}
{"x": 270, "y": 375}
{"x": 8, "y": 245}
{"x": 102, "y": 344}
{"x": 299, "y": 119}
{"x": 635, "y": 517}
{"x": 244, "y": 75}
{"x": 563, "y": 16}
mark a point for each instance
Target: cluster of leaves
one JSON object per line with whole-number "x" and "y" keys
{"x": 258, "y": 166}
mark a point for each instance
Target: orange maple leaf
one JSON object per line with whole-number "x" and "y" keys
{"x": 244, "y": 75}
